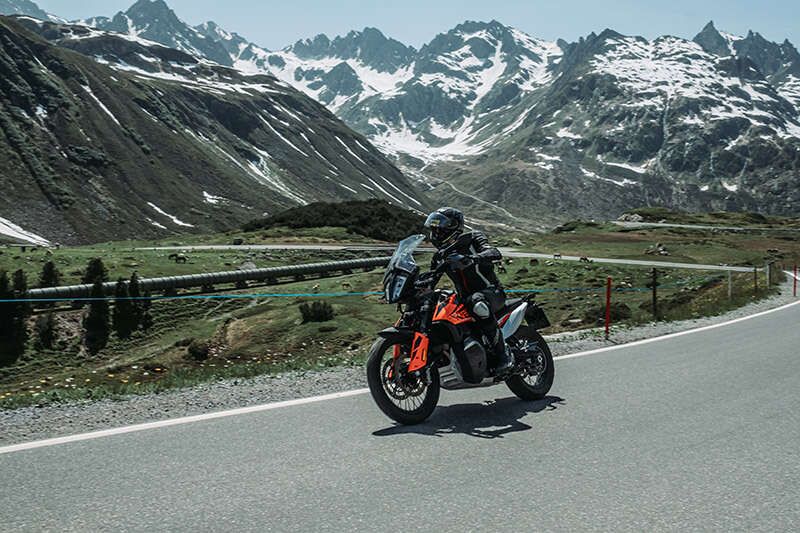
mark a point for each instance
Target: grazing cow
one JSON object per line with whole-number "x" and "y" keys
{"x": 346, "y": 285}
{"x": 501, "y": 268}
{"x": 557, "y": 256}
{"x": 178, "y": 258}
{"x": 315, "y": 288}
{"x": 534, "y": 262}
{"x": 585, "y": 259}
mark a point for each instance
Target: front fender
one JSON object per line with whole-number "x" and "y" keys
{"x": 397, "y": 335}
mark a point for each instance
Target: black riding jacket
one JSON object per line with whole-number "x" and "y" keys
{"x": 480, "y": 275}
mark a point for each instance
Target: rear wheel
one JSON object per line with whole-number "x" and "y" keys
{"x": 535, "y": 379}
{"x": 406, "y": 398}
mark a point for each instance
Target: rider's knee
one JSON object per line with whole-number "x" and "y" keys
{"x": 481, "y": 309}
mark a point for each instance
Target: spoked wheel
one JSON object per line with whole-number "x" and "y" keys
{"x": 537, "y": 372}
{"x": 406, "y": 398}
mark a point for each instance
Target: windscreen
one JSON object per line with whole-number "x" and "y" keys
{"x": 403, "y": 257}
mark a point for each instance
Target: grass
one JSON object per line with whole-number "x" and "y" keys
{"x": 684, "y": 245}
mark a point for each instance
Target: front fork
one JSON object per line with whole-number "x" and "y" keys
{"x": 420, "y": 345}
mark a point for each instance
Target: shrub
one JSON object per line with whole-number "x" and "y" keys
{"x": 316, "y": 311}
{"x": 198, "y": 350}
{"x": 375, "y": 219}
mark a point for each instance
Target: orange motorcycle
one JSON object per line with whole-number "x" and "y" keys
{"x": 436, "y": 344}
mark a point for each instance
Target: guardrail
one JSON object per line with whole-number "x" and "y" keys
{"x": 269, "y": 275}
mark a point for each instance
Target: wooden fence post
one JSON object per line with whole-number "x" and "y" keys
{"x": 654, "y": 282}
{"x": 730, "y": 285}
{"x": 608, "y": 307}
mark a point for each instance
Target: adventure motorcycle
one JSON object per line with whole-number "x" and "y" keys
{"x": 436, "y": 344}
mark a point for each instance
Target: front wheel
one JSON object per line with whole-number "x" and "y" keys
{"x": 405, "y": 398}
{"x": 537, "y": 374}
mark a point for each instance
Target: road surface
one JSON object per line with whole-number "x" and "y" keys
{"x": 507, "y": 252}
{"x": 634, "y": 225}
{"x": 697, "y": 431}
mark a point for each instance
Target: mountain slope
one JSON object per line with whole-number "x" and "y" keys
{"x": 143, "y": 140}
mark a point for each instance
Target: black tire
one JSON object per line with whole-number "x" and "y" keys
{"x": 518, "y": 385}
{"x": 375, "y": 362}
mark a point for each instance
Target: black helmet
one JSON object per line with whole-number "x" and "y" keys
{"x": 445, "y": 226}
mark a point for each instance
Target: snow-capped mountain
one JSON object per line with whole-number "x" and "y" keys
{"x": 110, "y": 135}
{"x": 530, "y": 131}
{"x": 155, "y": 21}
{"x": 511, "y": 124}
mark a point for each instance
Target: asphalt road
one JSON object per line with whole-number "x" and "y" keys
{"x": 507, "y": 252}
{"x": 695, "y": 432}
{"x": 626, "y": 224}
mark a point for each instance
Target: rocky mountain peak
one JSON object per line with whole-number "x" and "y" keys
{"x": 712, "y": 41}
{"x": 155, "y": 21}
{"x": 370, "y": 46}
{"x": 26, "y": 8}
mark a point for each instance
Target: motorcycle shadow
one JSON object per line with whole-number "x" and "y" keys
{"x": 503, "y": 416}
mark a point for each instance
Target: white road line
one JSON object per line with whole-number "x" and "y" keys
{"x": 791, "y": 275}
{"x": 678, "y": 334}
{"x": 177, "y": 421}
{"x": 326, "y": 397}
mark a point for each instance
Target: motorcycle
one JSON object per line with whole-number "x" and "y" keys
{"x": 436, "y": 344}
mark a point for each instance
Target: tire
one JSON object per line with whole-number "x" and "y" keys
{"x": 375, "y": 363}
{"x": 518, "y": 385}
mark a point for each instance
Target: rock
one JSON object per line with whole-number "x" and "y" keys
{"x": 517, "y": 242}
{"x": 631, "y": 217}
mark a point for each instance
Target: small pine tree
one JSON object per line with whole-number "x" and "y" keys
{"x": 8, "y": 345}
{"x": 95, "y": 271}
{"x": 22, "y": 311}
{"x": 46, "y": 334}
{"x": 146, "y": 312}
{"x": 138, "y": 305}
{"x": 96, "y": 324}
{"x": 50, "y": 276}
{"x": 124, "y": 311}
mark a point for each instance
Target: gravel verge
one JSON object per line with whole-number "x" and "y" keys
{"x": 34, "y": 423}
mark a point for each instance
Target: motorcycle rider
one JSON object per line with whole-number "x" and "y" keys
{"x": 468, "y": 259}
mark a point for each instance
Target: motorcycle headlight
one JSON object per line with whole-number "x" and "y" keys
{"x": 395, "y": 291}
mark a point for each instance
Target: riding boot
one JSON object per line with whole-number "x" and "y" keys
{"x": 503, "y": 356}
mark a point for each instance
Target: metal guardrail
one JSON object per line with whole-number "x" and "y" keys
{"x": 211, "y": 279}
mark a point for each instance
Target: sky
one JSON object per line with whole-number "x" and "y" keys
{"x": 274, "y": 24}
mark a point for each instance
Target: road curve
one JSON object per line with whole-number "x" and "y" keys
{"x": 507, "y": 252}
{"x": 695, "y": 432}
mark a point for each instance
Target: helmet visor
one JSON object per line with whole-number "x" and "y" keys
{"x": 441, "y": 228}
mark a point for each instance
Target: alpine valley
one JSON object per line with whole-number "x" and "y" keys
{"x": 512, "y": 128}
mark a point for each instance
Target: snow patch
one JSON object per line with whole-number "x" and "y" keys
{"x": 9, "y": 229}
{"x": 175, "y": 220}
{"x": 101, "y": 104}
